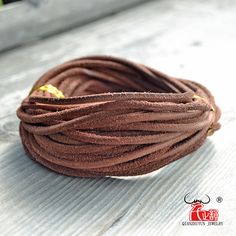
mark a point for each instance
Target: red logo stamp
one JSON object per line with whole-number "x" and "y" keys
{"x": 197, "y": 213}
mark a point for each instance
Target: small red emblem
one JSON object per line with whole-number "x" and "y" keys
{"x": 198, "y": 214}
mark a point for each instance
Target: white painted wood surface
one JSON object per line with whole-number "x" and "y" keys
{"x": 184, "y": 38}
{"x": 30, "y": 20}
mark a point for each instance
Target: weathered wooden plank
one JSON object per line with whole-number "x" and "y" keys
{"x": 35, "y": 19}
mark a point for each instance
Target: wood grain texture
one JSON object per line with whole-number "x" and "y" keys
{"x": 36, "y": 19}
{"x": 188, "y": 39}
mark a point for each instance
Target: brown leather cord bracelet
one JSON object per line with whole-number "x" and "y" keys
{"x": 105, "y": 116}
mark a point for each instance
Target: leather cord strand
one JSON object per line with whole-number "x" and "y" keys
{"x": 106, "y": 116}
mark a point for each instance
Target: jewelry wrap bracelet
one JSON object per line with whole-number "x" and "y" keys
{"x": 106, "y": 116}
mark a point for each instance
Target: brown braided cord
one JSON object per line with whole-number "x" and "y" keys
{"x": 118, "y": 118}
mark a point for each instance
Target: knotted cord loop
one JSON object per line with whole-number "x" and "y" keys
{"x": 106, "y": 116}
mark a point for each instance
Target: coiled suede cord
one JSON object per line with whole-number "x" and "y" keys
{"x": 113, "y": 117}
